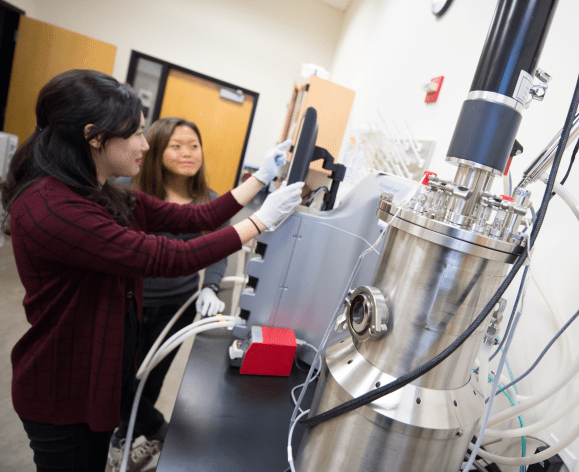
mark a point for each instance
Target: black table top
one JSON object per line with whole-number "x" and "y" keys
{"x": 224, "y": 421}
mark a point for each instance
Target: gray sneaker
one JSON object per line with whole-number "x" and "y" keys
{"x": 139, "y": 457}
{"x": 115, "y": 456}
{"x": 141, "y": 454}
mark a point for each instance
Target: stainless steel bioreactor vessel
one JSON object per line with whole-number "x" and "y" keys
{"x": 446, "y": 253}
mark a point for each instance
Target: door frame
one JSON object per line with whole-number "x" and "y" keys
{"x": 7, "y": 46}
{"x": 166, "y": 67}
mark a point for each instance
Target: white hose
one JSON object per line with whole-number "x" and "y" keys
{"x": 159, "y": 340}
{"x": 180, "y": 336}
{"x": 567, "y": 196}
{"x": 511, "y": 390}
{"x": 290, "y": 455}
{"x": 502, "y": 362}
{"x": 535, "y": 400}
{"x": 573, "y": 204}
{"x": 533, "y": 428}
{"x": 559, "y": 321}
{"x": 233, "y": 278}
{"x": 166, "y": 348}
{"x": 534, "y": 458}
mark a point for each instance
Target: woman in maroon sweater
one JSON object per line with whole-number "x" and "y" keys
{"x": 82, "y": 247}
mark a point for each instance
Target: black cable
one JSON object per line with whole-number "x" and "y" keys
{"x": 423, "y": 369}
{"x": 296, "y": 362}
{"x": 547, "y": 347}
{"x": 570, "y": 166}
{"x": 571, "y": 163}
{"x": 310, "y": 197}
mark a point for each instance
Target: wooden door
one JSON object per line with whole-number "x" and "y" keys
{"x": 332, "y": 103}
{"x": 223, "y": 123}
{"x": 43, "y": 51}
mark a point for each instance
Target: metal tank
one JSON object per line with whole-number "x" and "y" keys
{"x": 433, "y": 279}
{"x": 447, "y": 251}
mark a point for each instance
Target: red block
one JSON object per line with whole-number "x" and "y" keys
{"x": 271, "y": 352}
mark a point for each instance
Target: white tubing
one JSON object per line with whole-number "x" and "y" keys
{"x": 503, "y": 381}
{"x": 176, "y": 316}
{"x": 533, "y": 428}
{"x": 567, "y": 196}
{"x": 290, "y": 455}
{"x": 180, "y": 336}
{"x": 534, "y": 458}
{"x": 502, "y": 362}
{"x": 233, "y": 278}
{"x": 511, "y": 390}
{"x": 158, "y": 357}
{"x": 559, "y": 320}
{"x": 541, "y": 397}
{"x": 159, "y": 340}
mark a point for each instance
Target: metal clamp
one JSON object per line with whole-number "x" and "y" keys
{"x": 494, "y": 323}
{"x": 538, "y": 91}
{"x": 367, "y": 313}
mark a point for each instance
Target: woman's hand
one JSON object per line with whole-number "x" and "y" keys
{"x": 275, "y": 208}
{"x": 279, "y": 204}
{"x": 208, "y": 304}
{"x": 274, "y": 159}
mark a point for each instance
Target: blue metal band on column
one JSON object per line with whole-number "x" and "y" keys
{"x": 485, "y": 133}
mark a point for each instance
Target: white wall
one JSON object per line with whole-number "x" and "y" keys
{"x": 256, "y": 44}
{"x": 28, "y": 6}
{"x": 388, "y": 50}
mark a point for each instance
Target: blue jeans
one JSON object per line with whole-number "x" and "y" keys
{"x": 70, "y": 447}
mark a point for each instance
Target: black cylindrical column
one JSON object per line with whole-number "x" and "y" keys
{"x": 514, "y": 43}
{"x": 491, "y": 115}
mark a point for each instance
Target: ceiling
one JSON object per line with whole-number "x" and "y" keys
{"x": 339, "y": 4}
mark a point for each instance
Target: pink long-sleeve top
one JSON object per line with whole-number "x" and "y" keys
{"x": 80, "y": 270}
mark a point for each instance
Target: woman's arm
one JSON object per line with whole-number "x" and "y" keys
{"x": 56, "y": 226}
{"x": 165, "y": 217}
{"x": 244, "y": 193}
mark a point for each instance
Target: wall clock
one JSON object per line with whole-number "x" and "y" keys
{"x": 439, "y": 7}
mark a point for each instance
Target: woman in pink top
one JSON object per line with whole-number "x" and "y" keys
{"x": 82, "y": 246}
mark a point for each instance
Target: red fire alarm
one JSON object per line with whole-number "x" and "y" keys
{"x": 271, "y": 351}
{"x": 433, "y": 89}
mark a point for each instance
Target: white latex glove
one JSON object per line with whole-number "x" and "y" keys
{"x": 279, "y": 204}
{"x": 274, "y": 159}
{"x": 208, "y": 304}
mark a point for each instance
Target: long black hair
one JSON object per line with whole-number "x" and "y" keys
{"x": 60, "y": 148}
{"x": 151, "y": 178}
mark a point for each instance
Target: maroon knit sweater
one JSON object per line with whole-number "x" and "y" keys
{"x": 80, "y": 270}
